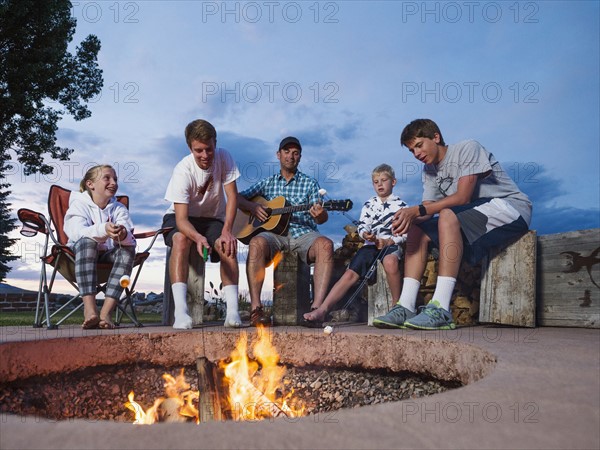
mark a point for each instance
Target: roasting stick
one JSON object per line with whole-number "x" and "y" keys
{"x": 381, "y": 255}
{"x": 125, "y": 279}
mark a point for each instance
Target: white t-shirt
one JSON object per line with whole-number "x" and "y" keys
{"x": 192, "y": 185}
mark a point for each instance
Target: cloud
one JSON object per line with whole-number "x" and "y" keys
{"x": 550, "y": 220}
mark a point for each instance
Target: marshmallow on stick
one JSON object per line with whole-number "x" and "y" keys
{"x": 124, "y": 281}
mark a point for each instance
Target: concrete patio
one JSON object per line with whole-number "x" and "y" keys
{"x": 542, "y": 391}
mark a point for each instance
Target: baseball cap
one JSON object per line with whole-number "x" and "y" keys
{"x": 290, "y": 140}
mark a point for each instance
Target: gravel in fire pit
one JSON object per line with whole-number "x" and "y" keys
{"x": 100, "y": 393}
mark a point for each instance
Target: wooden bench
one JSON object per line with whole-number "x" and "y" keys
{"x": 569, "y": 279}
{"x": 195, "y": 290}
{"x": 507, "y": 293}
{"x": 508, "y": 284}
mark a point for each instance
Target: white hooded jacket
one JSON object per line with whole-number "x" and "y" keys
{"x": 86, "y": 219}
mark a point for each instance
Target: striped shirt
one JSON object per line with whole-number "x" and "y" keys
{"x": 300, "y": 190}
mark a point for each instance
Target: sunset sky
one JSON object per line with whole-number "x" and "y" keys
{"x": 344, "y": 77}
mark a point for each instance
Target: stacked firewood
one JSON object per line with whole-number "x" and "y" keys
{"x": 350, "y": 245}
{"x": 465, "y": 298}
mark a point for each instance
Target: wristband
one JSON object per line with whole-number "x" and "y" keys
{"x": 422, "y": 210}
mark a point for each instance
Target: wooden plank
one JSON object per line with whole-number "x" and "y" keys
{"x": 291, "y": 284}
{"x": 508, "y": 284}
{"x": 379, "y": 296}
{"x": 195, "y": 288}
{"x": 569, "y": 279}
{"x": 209, "y": 388}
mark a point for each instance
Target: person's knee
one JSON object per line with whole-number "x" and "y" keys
{"x": 391, "y": 264}
{"x": 258, "y": 249}
{"x": 180, "y": 242}
{"x": 323, "y": 246}
{"x": 447, "y": 217}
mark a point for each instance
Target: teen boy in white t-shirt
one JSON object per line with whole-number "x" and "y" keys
{"x": 203, "y": 193}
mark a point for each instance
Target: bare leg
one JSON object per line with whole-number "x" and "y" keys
{"x": 255, "y": 268}
{"x": 392, "y": 270}
{"x": 416, "y": 253}
{"x": 229, "y": 269}
{"x": 90, "y": 312}
{"x": 451, "y": 244}
{"x": 339, "y": 289}
{"x": 321, "y": 253}
{"x": 179, "y": 260}
{"x": 178, "y": 271}
{"x": 106, "y": 313}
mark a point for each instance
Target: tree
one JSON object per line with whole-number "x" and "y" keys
{"x": 40, "y": 80}
{"x": 7, "y": 224}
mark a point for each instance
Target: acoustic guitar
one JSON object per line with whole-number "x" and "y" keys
{"x": 246, "y": 226}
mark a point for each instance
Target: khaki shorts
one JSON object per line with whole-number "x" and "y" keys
{"x": 300, "y": 244}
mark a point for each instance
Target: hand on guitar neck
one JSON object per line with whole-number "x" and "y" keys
{"x": 274, "y": 216}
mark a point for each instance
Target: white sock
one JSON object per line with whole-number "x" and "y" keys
{"x": 183, "y": 321}
{"x": 410, "y": 290}
{"x": 443, "y": 291}
{"x": 232, "y": 318}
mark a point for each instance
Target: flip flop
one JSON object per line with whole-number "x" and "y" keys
{"x": 91, "y": 323}
{"x": 105, "y": 325}
{"x": 311, "y": 323}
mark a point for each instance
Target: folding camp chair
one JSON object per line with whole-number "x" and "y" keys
{"x": 62, "y": 259}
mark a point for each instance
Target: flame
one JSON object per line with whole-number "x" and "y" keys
{"x": 255, "y": 388}
{"x": 177, "y": 406}
{"x": 253, "y": 393}
{"x": 277, "y": 259}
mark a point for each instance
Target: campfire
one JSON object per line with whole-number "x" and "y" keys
{"x": 238, "y": 388}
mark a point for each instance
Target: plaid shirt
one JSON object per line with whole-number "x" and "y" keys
{"x": 300, "y": 190}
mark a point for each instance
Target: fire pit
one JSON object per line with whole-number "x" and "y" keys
{"x": 326, "y": 372}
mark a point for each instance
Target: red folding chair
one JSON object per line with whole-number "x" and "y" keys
{"x": 62, "y": 260}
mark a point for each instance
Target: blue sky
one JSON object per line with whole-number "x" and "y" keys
{"x": 344, "y": 77}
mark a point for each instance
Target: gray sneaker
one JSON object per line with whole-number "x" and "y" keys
{"x": 431, "y": 317}
{"x": 394, "y": 319}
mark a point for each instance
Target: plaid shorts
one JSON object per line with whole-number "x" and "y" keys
{"x": 87, "y": 257}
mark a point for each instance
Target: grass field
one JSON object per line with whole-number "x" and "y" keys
{"x": 27, "y": 318}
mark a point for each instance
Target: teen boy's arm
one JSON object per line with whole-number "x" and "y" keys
{"x": 228, "y": 240}
{"x": 405, "y": 217}
{"x": 186, "y": 227}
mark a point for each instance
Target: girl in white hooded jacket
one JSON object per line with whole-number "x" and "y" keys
{"x": 99, "y": 230}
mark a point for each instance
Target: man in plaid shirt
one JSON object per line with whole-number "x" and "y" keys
{"x": 301, "y": 236}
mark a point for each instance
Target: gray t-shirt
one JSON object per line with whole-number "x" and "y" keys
{"x": 470, "y": 158}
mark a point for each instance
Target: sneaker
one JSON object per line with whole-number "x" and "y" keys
{"x": 431, "y": 317}
{"x": 395, "y": 318}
